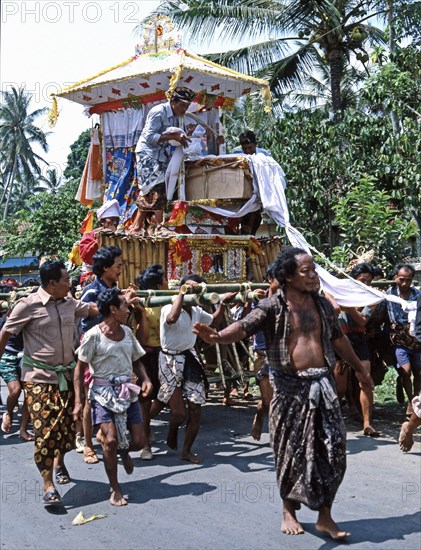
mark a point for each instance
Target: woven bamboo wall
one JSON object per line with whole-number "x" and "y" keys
{"x": 140, "y": 252}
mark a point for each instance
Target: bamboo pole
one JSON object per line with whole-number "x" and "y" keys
{"x": 137, "y": 254}
{"x": 131, "y": 266}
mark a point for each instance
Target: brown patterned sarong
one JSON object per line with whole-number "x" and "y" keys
{"x": 51, "y": 414}
{"x": 308, "y": 439}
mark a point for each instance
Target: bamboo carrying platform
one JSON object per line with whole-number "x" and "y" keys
{"x": 218, "y": 260}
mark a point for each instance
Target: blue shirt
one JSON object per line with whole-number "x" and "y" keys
{"x": 158, "y": 120}
{"x": 396, "y": 314}
{"x": 90, "y": 294}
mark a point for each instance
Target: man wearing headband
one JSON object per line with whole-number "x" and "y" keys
{"x": 153, "y": 154}
{"x": 108, "y": 217}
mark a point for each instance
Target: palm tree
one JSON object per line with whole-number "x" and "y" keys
{"x": 18, "y": 134}
{"x": 322, "y": 32}
{"x": 50, "y": 183}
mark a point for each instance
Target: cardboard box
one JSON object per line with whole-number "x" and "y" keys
{"x": 218, "y": 178}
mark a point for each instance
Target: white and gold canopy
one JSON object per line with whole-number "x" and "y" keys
{"x": 149, "y": 77}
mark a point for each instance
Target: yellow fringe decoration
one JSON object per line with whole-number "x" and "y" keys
{"x": 240, "y": 76}
{"x": 77, "y": 84}
{"x": 175, "y": 77}
{"x": 53, "y": 113}
{"x": 267, "y": 99}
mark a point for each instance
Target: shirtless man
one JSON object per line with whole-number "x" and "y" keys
{"x": 307, "y": 432}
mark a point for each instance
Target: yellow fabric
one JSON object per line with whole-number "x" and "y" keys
{"x": 74, "y": 255}
{"x": 153, "y": 314}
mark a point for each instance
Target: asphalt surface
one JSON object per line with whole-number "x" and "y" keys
{"x": 230, "y": 501}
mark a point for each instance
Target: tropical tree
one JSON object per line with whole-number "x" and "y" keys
{"x": 51, "y": 182}
{"x": 49, "y": 222}
{"x": 18, "y": 135}
{"x": 291, "y": 40}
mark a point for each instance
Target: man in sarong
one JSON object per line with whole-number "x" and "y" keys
{"x": 107, "y": 264}
{"x": 46, "y": 320}
{"x": 180, "y": 371}
{"x": 153, "y": 154}
{"x": 307, "y": 432}
{"x": 112, "y": 352}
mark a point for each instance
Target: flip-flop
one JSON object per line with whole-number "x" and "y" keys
{"x": 3, "y": 426}
{"x": 51, "y": 498}
{"x": 62, "y": 475}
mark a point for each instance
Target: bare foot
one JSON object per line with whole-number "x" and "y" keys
{"x": 194, "y": 459}
{"x": 26, "y": 436}
{"x": 327, "y": 526}
{"x": 256, "y": 430}
{"x": 406, "y": 440}
{"x": 127, "y": 463}
{"x": 290, "y": 525}
{"x": 370, "y": 431}
{"x": 117, "y": 498}
{"x": 227, "y": 401}
{"x": 6, "y": 423}
{"x": 172, "y": 439}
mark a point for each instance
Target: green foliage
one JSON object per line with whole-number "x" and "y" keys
{"x": 50, "y": 222}
{"x": 77, "y": 156}
{"x": 367, "y": 220}
{"x": 20, "y": 165}
{"x": 289, "y": 41}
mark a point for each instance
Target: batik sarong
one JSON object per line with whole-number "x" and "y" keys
{"x": 51, "y": 413}
{"x": 172, "y": 375}
{"x": 308, "y": 437}
{"x": 151, "y": 180}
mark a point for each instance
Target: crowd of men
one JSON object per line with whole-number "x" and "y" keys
{"x": 123, "y": 363}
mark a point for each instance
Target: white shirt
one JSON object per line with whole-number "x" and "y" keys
{"x": 179, "y": 336}
{"x": 107, "y": 357}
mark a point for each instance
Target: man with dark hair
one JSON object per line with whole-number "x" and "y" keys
{"x": 46, "y": 320}
{"x": 248, "y": 144}
{"x": 153, "y": 154}
{"x": 148, "y": 318}
{"x": 407, "y": 347}
{"x": 180, "y": 371}
{"x": 353, "y": 323}
{"x": 406, "y": 439}
{"x": 112, "y": 352}
{"x": 307, "y": 432}
{"x": 106, "y": 265}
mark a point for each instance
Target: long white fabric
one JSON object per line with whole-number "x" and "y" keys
{"x": 269, "y": 192}
{"x": 123, "y": 128}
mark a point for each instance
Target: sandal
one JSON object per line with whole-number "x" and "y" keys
{"x": 62, "y": 475}
{"x": 90, "y": 456}
{"x": 51, "y": 498}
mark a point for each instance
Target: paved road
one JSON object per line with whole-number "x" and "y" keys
{"x": 230, "y": 501}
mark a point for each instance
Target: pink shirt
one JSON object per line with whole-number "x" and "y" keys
{"x": 47, "y": 328}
